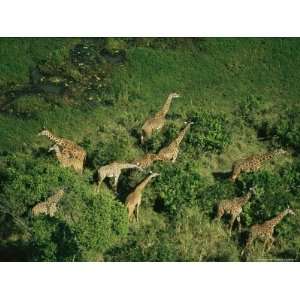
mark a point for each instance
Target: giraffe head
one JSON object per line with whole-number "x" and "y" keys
{"x": 289, "y": 211}
{"x": 188, "y": 122}
{"x": 54, "y": 148}
{"x": 139, "y": 167}
{"x": 44, "y": 132}
{"x": 280, "y": 151}
{"x": 174, "y": 95}
{"x": 60, "y": 192}
{"x": 154, "y": 174}
{"x": 253, "y": 190}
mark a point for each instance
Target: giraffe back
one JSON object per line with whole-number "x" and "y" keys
{"x": 153, "y": 124}
{"x": 48, "y": 207}
{"x": 253, "y": 162}
{"x": 147, "y": 160}
{"x": 67, "y": 160}
{"x": 110, "y": 170}
{"x": 167, "y": 153}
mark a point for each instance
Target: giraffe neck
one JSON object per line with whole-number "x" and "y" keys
{"x": 267, "y": 156}
{"x": 143, "y": 184}
{"x": 278, "y": 218}
{"x": 56, "y": 197}
{"x": 245, "y": 199}
{"x": 181, "y": 135}
{"x": 52, "y": 137}
{"x": 129, "y": 166}
{"x": 166, "y": 107}
{"x": 58, "y": 154}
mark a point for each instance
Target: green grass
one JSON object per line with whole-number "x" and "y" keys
{"x": 236, "y": 84}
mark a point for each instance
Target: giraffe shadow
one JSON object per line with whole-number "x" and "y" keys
{"x": 127, "y": 182}
{"x": 41, "y": 153}
{"x": 221, "y": 175}
{"x": 14, "y": 251}
{"x": 159, "y": 205}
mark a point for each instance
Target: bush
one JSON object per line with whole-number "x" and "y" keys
{"x": 28, "y": 106}
{"x": 84, "y": 222}
{"x": 286, "y": 131}
{"x": 177, "y": 186}
{"x": 52, "y": 240}
{"x": 112, "y": 149}
{"x": 189, "y": 237}
{"x": 275, "y": 192}
{"x": 210, "y": 132}
{"x": 249, "y": 108}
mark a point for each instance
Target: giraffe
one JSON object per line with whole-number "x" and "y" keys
{"x": 114, "y": 170}
{"x": 234, "y": 208}
{"x": 147, "y": 160}
{"x": 265, "y": 230}
{"x": 48, "y": 207}
{"x": 158, "y": 120}
{"x": 66, "y": 160}
{"x": 253, "y": 163}
{"x": 75, "y": 151}
{"x": 171, "y": 151}
{"x": 133, "y": 200}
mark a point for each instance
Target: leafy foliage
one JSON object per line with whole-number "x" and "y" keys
{"x": 249, "y": 108}
{"x": 85, "y": 220}
{"x": 177, "y": 187}
{"x": 97, "y": 92}
{"x": 287, "y": 130}
{"x": 210, "y": 132}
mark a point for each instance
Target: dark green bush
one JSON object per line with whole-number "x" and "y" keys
{"x": 210, "y": 132}
{"x": 52, "y": 240}
{"x": 177, "y": 186}
{"x": 286, "y": 131}
{"x": 115, "y": 147}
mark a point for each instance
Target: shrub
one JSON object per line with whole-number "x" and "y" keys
{"x": 109, "y": 151}
{"x": 275, "y": 192}
{"x": 249, "y": 107}
{"x": 177, "y": 186}
{"x": 52, "y": 240}
{"x": 84, "y": 222}
{"x": 189, "y": 237}
{"x": 28, "y": 106}
{"x": 210, "y": 132}
{"x": 286, "y": 131}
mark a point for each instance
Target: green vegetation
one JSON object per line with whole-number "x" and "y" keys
{"x": 241, "y": 95}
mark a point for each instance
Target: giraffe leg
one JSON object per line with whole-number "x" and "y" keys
{"x": 239, "y": 223}
{"x": 130, "y": 212}
{"x": 231, "y": 223}
{"x": 219, "y": 214}
{"x": 137, "y": 213}
{"x": 99, "y": 184}
{"x": 235, "y": 174}
{"x": 116, "y": 182}
{"x": 265, "y": 244}
{"x": 248, "y": 244}
{"x": 270, "y": 243}
{"x": 174, "y": 157}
